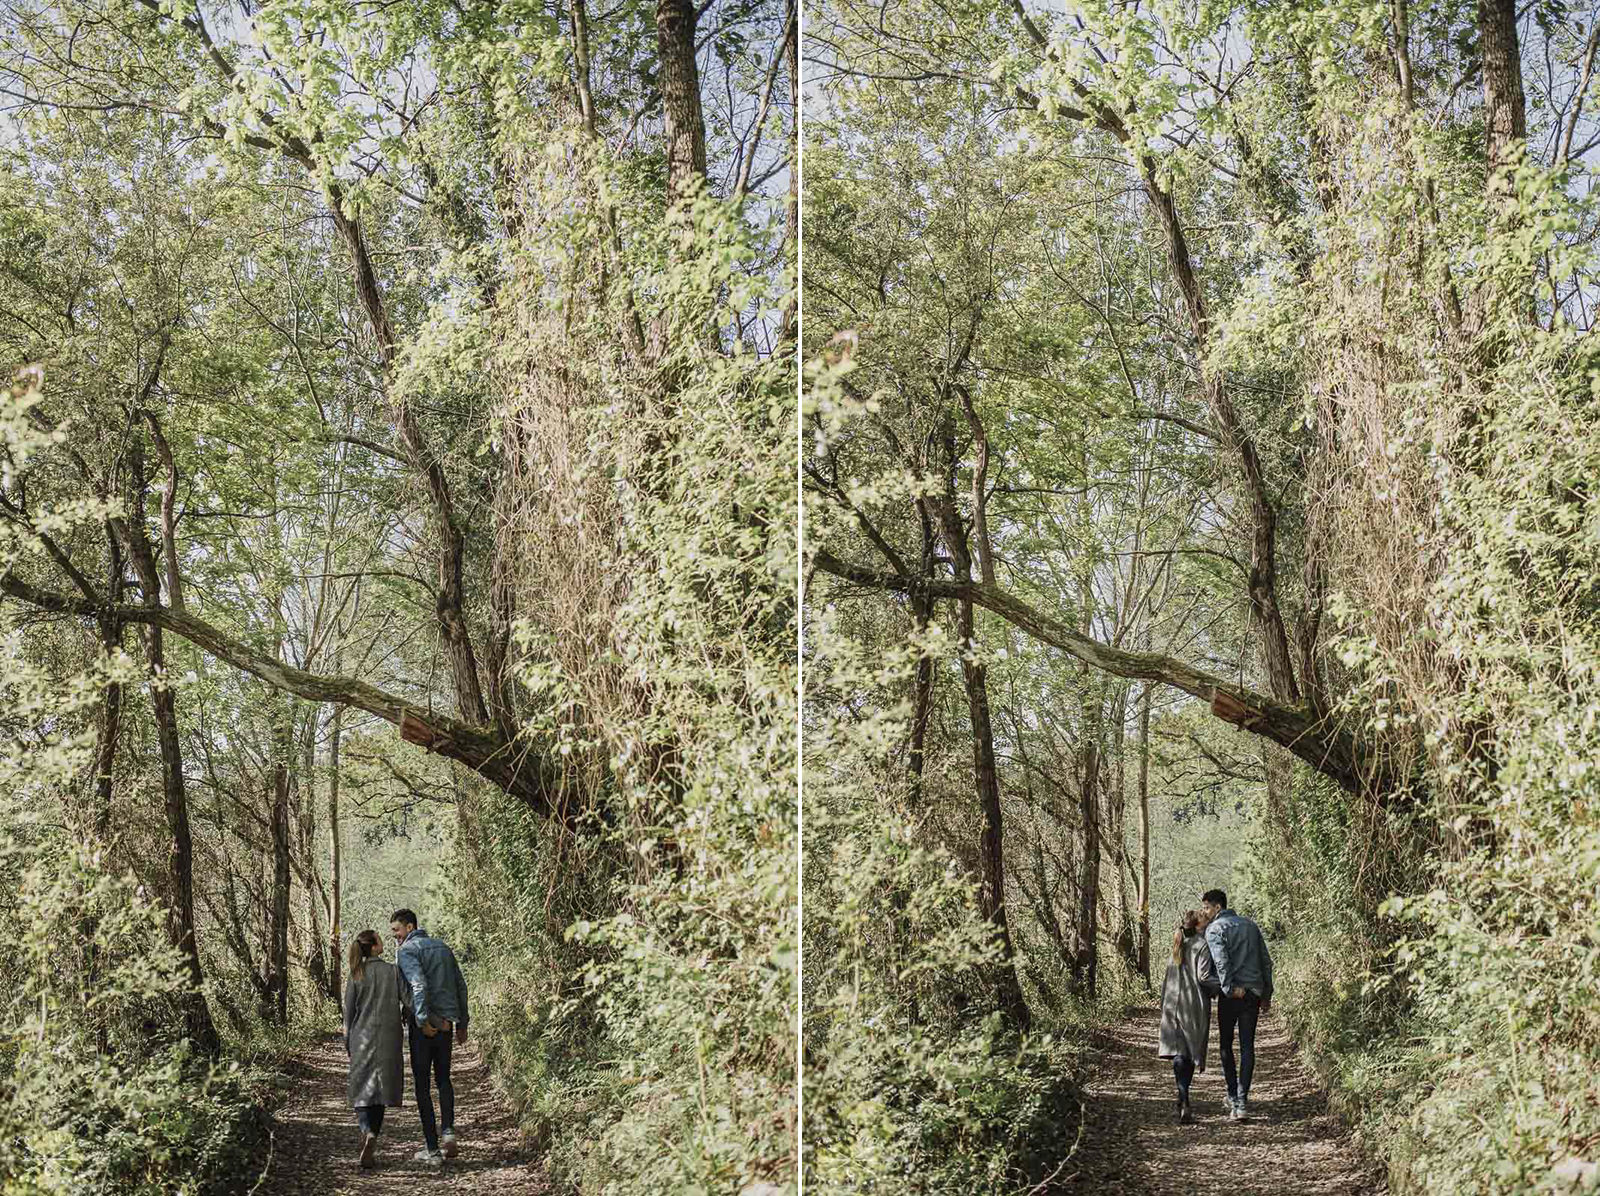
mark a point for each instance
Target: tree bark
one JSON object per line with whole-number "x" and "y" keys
{"x": 922, "y": 690}
{"x": 1086, "y": 962}
{"x": 680, "y": 96}
{"x": 336, "y": 912}
{"x": 1505, "y": 107}
{"x": 991, "y": 855}
{"x": 279, "y": 966}
{"x": 111, "y": 703}
{"x": 1144, "y": 836}
{"x": 201, "y": 1029}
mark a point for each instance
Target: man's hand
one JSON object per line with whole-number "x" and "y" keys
{"x": 427, "y": 1030}
{"x": 1237, "y": 994}
{"x": 461, "y": 1036}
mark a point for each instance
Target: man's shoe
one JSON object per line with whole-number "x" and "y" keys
{"x": 448, "y": 1141}
{"x": 1185, "y": 1114}
{"x": 369, "y": 1147}
{"x": 431, "y": 1157}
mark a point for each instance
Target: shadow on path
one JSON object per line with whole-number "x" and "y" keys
{"x": 317, "y": 1140}
{"x": 1133, "y": 1145}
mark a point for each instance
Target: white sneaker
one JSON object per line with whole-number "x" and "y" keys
{"x": 1241, "y": 1110}
{"x": 431, "y": 1157}
{"x": 447, "y": 1140}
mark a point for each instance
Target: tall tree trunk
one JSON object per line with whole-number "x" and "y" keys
{"x": 280, "y": 864}
{"x": 922, "y": 689}
{"x": 110, "y": 735}
{"x": 201, "y": 1029}
{"x": 991, "y": 855}
{"x": 1144, "y": 836}
{"x": 305, "y": 786}
{"x": 1086, "y": 966}
{"x": 336, "y": 912}
{"x": 680, "y": 96}
{"x": 1505, "y": 107}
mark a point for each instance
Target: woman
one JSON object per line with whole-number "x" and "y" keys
{"x": 1186, "y": 1006}
{"x": 372, "y": 1037}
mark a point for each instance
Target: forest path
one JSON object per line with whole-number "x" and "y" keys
{"x": 317, "y": 1140}
{"x": 1293, "y": 1145}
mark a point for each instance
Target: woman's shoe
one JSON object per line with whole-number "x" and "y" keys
{"x": 1185, "y": 1114}
{"x": 369, "y": 1147}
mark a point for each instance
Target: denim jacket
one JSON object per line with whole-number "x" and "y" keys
{"x": 1240, "y": 954}
{"x": 434, "y": 979}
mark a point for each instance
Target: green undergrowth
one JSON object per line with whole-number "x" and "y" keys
{"x": 97, "y": 1096}
{"x": 913, "y": 1083}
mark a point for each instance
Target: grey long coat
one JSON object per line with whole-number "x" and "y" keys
{"x": 372, "y": 1036}
{"x": 1186, "y": 1003}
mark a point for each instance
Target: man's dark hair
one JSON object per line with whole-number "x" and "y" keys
{"x": 404, "y": 916}
{"x": 1214, "y": 896}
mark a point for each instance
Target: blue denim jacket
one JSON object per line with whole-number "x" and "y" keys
{"x": 434, "y": 978}
{"x": 1240, "y": 954}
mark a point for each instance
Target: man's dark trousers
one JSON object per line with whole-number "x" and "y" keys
{"x": 1242, "y": 1012}
{"x": 433, "y": 1055}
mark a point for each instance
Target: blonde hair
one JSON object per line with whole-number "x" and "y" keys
{"x": 1190, "y": 928}
{"x": 360, "y": 947}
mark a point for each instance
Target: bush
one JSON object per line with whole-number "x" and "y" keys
{"x": 95, "y": 1095}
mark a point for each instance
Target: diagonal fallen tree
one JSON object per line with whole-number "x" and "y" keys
{"x": 518, "y": 769}
{"x": 1316, "y": 739}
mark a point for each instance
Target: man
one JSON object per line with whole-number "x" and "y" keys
{"x": 1244, "y": 973}
{"x": 436, "y": 1013}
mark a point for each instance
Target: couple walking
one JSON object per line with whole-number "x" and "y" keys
{"x": 1216, "y": 954}
{"x": 422, "y": 989}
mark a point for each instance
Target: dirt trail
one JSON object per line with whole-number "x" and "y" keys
{"x": 317, "y": 1141}
{"x": 1134, "y": 1146}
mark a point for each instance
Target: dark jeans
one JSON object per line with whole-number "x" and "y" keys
{"x": 370, "y": 1118}
{"x": 1244, "y": 1014}
{"x": 1183, "y": 1072}
{"x": 433, "y": 1054}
